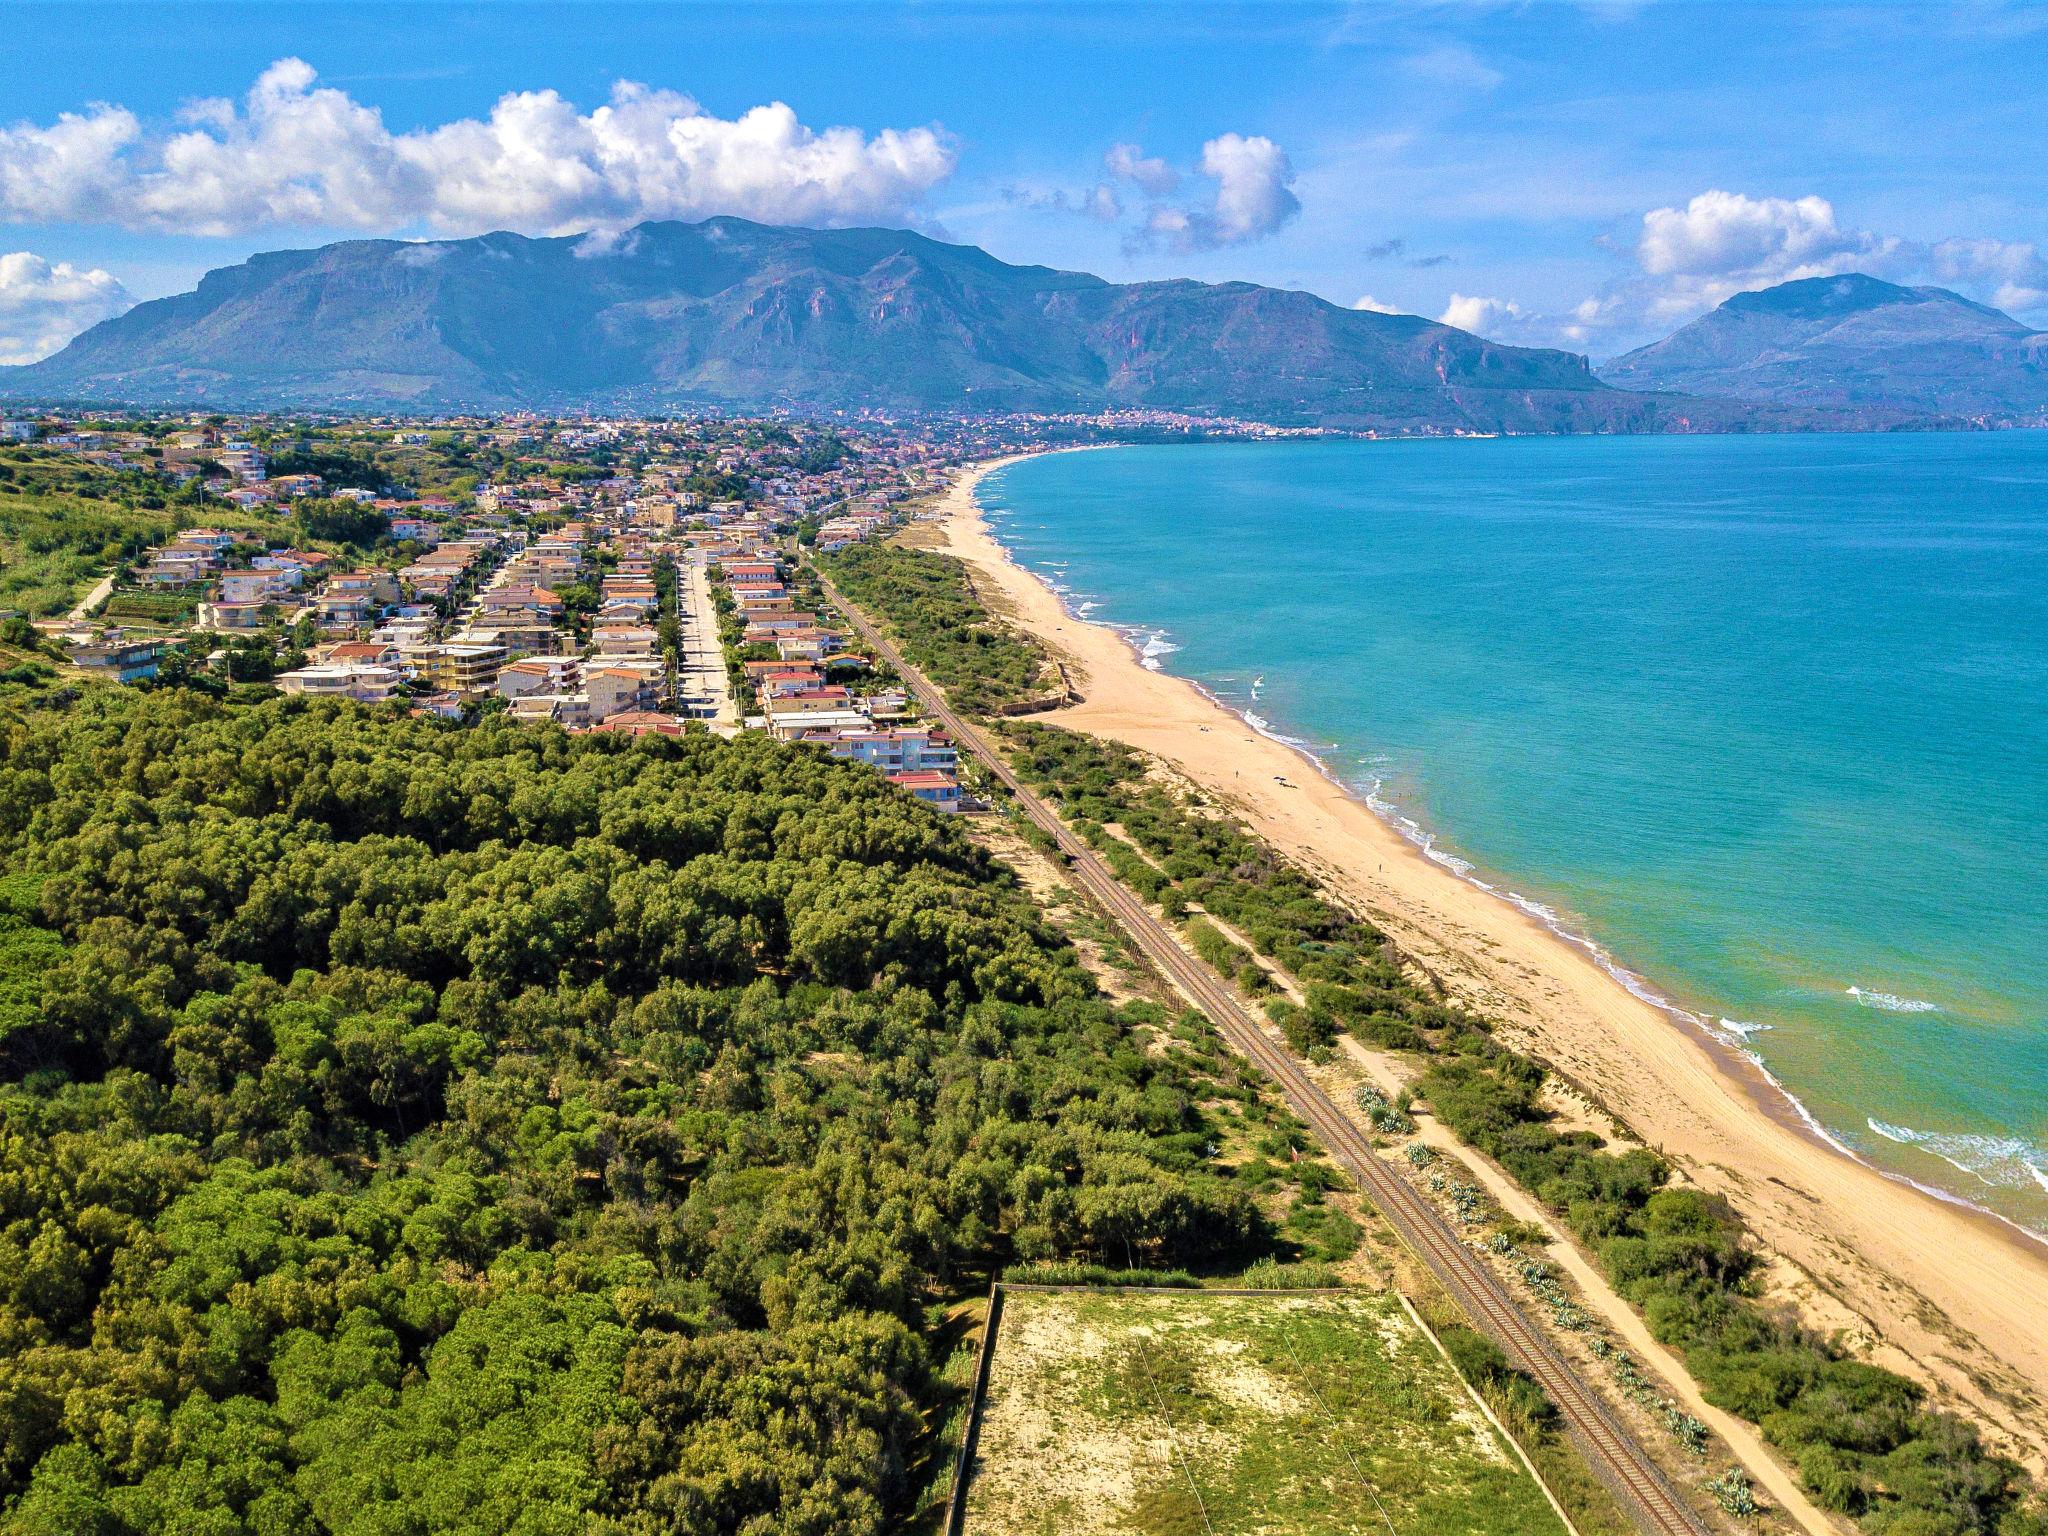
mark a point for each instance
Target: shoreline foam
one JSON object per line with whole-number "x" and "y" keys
{"x": 1861, "y": 1232}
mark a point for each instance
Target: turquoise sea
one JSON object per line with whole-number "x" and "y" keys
{"x": 1766, "y": 718}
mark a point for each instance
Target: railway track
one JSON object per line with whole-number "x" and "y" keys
{"x": 1611, "y": 1450}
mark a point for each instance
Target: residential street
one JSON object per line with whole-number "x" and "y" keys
{"x": 701, "y": 667}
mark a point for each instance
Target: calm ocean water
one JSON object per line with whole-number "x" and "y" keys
{"x": 1766, "y": 717}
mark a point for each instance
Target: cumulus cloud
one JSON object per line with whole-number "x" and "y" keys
{"x": 1722, "y": 243}
{"x": 1102, "y": 204}
{"x": 1251, "y": 197}
{"x": 1239, "y": 191}
{"x": 1481, "y": 316}
{"x": 1151, "y": 175}
{"x": 2017, "y": 268}
{"x": 1254, "y": 187}
{"x": 43, "y": 304}
{"x": 1689, "y": 259}
{"x": 294, "y": 153}
{"x": 1367, "y": 302}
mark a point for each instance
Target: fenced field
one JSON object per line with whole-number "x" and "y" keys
{"x": 1133, "y": 1413}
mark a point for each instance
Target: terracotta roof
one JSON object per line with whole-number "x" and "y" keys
{"x": 642, "y": 722}
{"x": 924, "y": 778}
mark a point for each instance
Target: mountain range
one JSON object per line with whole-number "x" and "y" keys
{"x": 742, "y": 315}
{"x": 1851, "y": 343}
{"x": 729, "y": 313}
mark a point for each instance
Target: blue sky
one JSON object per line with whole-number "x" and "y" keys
{"x": 1586, "y": 175}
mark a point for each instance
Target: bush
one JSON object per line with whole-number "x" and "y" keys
{"x": 1213, "y": 947}
{"x": 1096, "y": 1274}
{"x": 1271, "y": 1275}
{"x": 929, "y": 606}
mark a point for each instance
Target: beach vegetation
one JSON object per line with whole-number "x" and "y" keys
{"x": 1213, "y": 947}
{"x": 928, "y": 604}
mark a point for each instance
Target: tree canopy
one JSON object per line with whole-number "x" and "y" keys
{"x": 409, "y": 1129}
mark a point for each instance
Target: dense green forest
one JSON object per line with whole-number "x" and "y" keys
{"x": 410, "y": 1129}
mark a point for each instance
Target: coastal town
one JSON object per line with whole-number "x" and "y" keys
{"x": 609, "y": 576}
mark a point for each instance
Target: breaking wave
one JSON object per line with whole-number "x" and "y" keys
{"x": 2000, "y": 1162}
{"x": 1891, "y": 1002}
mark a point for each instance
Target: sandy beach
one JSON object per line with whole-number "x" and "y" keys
{"x": 1952, "y": 1296}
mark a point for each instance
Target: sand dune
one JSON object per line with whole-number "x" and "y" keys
{"x": 1952, "y": 1296}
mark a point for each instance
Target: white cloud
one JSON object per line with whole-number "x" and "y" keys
{"x": 293, "y": 153}
{"x": 1367, "y": 302}
{"x": 1102, "y": 204}
{"x": 2017, "y": 268}
{"x": 1722, "y": 243}
{"x": 1254, "y": 181}
{"x": 1594, "y": 316}
{"x": 1127, "y": 162}
{"x": 1479, "y": 315}
{"x": 1251, "y": 194}
{"x": 44, "y": 304}
{"x": 1690, "y": 259}
{"x": 1254, "y": 197}
{"x": 2020, "y": 299}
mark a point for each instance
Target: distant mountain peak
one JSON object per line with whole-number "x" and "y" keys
{"x": 1843, "y": 293}
{"x": 1851, "y": 342}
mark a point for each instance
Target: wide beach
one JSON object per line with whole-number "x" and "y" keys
{"x": 1949, "y": 1294}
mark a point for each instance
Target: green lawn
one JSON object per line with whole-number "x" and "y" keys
{"x": 1147, "y": 1414}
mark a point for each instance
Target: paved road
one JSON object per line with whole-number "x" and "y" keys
{"x": 1609, "y": 1448}
{"x": 103, "y": 590}
{"x": 701, "y": 658}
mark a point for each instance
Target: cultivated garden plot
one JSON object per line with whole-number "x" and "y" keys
{"x": 1132, "y": 1413}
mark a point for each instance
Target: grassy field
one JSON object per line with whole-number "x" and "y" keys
{"x": 134, "y": 605}
{"x": 1121, "y": 1413}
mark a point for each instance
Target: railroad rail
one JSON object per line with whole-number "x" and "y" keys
{"x": 1609, "y": 1448}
